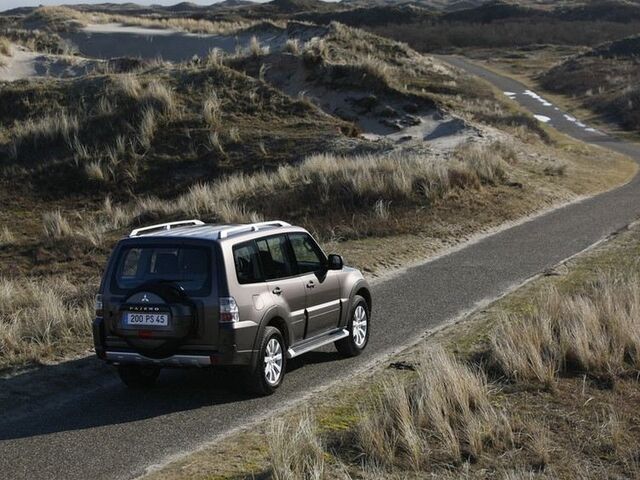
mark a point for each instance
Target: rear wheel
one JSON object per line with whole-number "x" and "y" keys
{"x": 138, "y": 376}
{"x": 358, "y": 327}
{"x": 269, "y": 371}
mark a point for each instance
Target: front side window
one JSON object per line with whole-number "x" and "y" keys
{"x": 185, "y": 266}
{"x": 309, "y": 258}
{"x": 245, "y": 258}
{"x": 274, "y": 256}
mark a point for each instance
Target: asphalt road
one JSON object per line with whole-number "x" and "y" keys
{"x": 109, "y": 432}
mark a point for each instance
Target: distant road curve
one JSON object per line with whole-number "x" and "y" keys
{"x": 108, "y": 432}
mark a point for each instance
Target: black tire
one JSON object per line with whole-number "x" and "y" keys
{"x": 352, "y": 346}
{"x": 138, "y": 376}
{"x": 258, "y": 381}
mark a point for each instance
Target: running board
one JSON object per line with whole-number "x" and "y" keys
{"x": 318, "y": 342}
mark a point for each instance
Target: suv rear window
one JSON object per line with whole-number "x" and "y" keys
{"x": 186, "y": 266}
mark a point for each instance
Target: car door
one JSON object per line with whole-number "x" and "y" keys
{"x": 322, "y": 286}
{"x": 287, "y": 289}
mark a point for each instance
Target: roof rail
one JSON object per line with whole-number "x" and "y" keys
{"x": 165, "y": 226}
{"x": 251, "y": 227}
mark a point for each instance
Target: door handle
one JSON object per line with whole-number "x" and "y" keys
{"x": 311, "y": 284}
{"x": 277, "y": 291}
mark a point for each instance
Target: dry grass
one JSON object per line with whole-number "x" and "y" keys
{"x": 56, "y": 127}
{"x": 595, "y": 331}
{"x": 38, "y": 315}
{"x": 211, "y": 109}
{"x": 255, "y": 49}
{"x": 56, "y": 226}
{"x": 147, "y": 128}
{"x": 292, "y": 45}
{"x": 297, "y": 451}
{"x": 6, "y": 236}
{"x": 359, "y": 183}
{"x": 444, "y": 415}
{"x": 65, "y": 18}
{"x": 5, "y": 47}
{"x": 191, "y": 25}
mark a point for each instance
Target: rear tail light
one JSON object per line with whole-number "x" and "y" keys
{"x": 229, "y": 310}
{"x": 98, "y": 305}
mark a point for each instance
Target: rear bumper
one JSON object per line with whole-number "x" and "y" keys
{"x": 234, "y": 347}
{"x": 132, "y": 358}
{"x": 183, "y": 360}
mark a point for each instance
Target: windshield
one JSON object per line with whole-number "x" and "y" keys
{"x": 186, "y": 266}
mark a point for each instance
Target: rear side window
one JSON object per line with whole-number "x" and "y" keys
{"x": 274, "y": 257}
{"x": 245, "y": 258}
{"x": 309, "y": 257}
{"x": 187, "y": 266}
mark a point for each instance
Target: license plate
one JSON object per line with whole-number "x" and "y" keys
{"x": 146, "y": 319}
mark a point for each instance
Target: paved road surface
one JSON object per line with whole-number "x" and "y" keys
{"x": 110, "y": 432}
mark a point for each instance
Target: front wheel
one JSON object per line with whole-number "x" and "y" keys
{"x": 269, "y": 371}
{"x": 138, "y": 376}
{"x": 358, "y": 327}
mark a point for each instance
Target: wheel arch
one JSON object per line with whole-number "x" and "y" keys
{"x": 272, "y": 318}
{"x": 359, "y": 288}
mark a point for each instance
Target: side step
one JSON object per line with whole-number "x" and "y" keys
{"x": 318, "y": 342}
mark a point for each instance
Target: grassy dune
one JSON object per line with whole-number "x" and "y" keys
{"x": 603, "y": 80}
{"x": 85, "y": 160}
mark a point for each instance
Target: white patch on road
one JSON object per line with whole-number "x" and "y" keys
{"x": 510, "y": 94}
{"x": 543, "y": 118}
{"x": 535, "y": 96}
{"x": 570, "y": 118}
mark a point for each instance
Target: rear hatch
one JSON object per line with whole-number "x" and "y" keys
{"x": 160, "y": 295}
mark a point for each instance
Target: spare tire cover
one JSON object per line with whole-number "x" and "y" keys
{"x": 157, "y": 340}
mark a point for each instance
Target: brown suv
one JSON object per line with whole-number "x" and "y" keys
{"x": 187, "y": 294}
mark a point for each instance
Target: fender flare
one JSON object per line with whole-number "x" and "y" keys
{"x": 359, "y": 285}
{"x": 272, "y": 312}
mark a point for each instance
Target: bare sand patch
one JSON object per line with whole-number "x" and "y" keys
{"x": 24, "y": 64}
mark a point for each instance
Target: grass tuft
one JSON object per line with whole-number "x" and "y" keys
{"x": 595, "y": 332}
{"x": 38, "y": 315}
{"x": 297, "y": 452}
{"x": 56, "y": 226}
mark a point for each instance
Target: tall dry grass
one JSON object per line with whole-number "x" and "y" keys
{"x": 212, "y": 109}
{"x": 5, "y": 47}
{"x": 65, "y": 18}
{"x": 191, "y": 25}
{"x": 56, "y": 226}
{"x": 595, "y": 331}
{"x": 359, "y": 181}
{"x": 59, "y": 126}
{"x": 6, "y": 236}
{"x": 443, "y": 415}
{"x": 38, "y": 315}
{"x": 296, "y": 450}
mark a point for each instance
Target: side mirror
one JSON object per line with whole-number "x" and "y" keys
{"x": 334, "y": 262}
